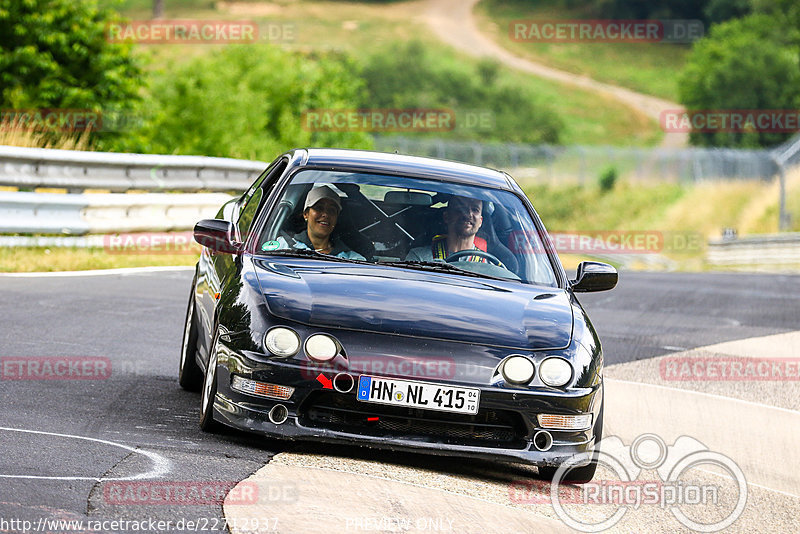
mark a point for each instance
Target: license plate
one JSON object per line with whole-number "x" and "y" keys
{"x": 418, "y": 394}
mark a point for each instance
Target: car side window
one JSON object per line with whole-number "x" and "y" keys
{"x": 248, "y": 214}
{"x": 251, "y": 200}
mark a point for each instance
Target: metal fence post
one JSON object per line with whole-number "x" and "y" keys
{"x": 783, "y": 217}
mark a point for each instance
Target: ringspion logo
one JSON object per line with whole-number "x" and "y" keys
{"x": 677, "y": 489}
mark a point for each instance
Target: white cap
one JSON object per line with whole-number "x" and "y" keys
{"x": 318, "y": 193}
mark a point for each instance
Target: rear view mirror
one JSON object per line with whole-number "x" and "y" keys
{"x": 594, "y": 276}
{"x": 217, "y": 235}
{"x": 409, "y": 198}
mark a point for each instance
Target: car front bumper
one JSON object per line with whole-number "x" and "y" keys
{"x": 503, "y": 429}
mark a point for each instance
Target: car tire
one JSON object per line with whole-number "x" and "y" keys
{"x": 209, "y": 392}
{"x": 579, "y": 475}
{"x": 190, "y": 376}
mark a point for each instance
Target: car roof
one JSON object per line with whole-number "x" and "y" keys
{"x": 377, "y": 162}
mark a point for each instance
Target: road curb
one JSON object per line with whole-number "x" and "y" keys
{"x": 308, "y": 499}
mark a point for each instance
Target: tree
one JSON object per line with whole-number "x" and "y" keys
{"x": 54, "y": 54}
{"x": 745, "y": 64}
{"x": 246, "y": 101}
{"x": 408, "y": 75}
{"x": 721, "y": 10}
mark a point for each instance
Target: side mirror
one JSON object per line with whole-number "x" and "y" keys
{"x": 217, "y": 235}
{"x": 594, "y": 276}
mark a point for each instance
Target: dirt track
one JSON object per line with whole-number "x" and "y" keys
{"x": 453, "y": 22}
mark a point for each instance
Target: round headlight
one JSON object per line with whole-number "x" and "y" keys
{"x": 518, "y": 370}
{"x": 555, "y": 372}
{"x": 321, "y": 348}
{"x": 282, "y": 341}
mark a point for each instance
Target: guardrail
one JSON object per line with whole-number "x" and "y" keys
{"x": 775, "y": 249}
{"x": 51, "y": 213}
{"x": 77, "y": 170}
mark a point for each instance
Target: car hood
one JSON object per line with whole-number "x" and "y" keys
{"x": 405, "y": 302}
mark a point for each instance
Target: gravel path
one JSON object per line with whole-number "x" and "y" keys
{"x": 453, "y": 23}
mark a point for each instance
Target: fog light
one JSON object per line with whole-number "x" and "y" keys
{"x": 565, "y": 422}
{"x": 282, "y": 341}
{"x": 321, "y": 348}
{"x": 262, "y": 389}
{"x": 555, "y": 372}
{"x": 518, "y": 370}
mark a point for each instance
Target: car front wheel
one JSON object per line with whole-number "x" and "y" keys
{"x": 207, "y": 423}
{"x": 579, "y": 475}
{"x": 190, "y": 376}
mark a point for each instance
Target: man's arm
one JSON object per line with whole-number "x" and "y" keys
{"x": 418, "y": 254}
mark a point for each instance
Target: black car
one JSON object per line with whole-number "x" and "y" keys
{"x": 396, "y": 302}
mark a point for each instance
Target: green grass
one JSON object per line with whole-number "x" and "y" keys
{"x": 627, "y": 207}
{"x": 650, "y": 68}
{"x": 24, "y": 259}
{"x": 679, "y": 212}
{"x": 359, "y": 28}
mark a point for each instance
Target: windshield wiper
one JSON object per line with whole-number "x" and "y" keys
{"x": 438, "y": 266}
{"x": 305, "y": 253}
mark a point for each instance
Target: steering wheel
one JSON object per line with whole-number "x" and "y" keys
{"x": 461, "y": 253}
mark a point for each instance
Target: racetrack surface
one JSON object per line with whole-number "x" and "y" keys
{"x": 135, "y": 320}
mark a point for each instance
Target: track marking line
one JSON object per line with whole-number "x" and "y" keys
{"x": 703, "y": 393}
{"x": 161, "y": 465}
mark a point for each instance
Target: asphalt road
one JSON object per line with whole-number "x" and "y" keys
{"x": 147, "y": 424}
{"x": 652, "y": 314}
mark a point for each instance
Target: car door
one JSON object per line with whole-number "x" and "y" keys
{"x": 219, "y": 269}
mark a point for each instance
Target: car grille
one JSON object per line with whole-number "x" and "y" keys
{"x": 339, "y": 412}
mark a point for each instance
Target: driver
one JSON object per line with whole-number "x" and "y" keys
{"x": 463, "y": 220}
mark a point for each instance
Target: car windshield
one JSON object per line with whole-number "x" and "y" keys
{"x": 409, "y": 222}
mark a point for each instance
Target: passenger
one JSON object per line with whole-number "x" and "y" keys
{"x": 463, "y": 218}
{"x": 321, "y": 212}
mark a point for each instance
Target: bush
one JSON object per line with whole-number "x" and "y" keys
{"x": 406, "y": 75}
{"x": 607, "y": 180}
{"x": 743, "y": 64}
{"x": 54, "y": 54}
{"x": 246, "y": 101}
